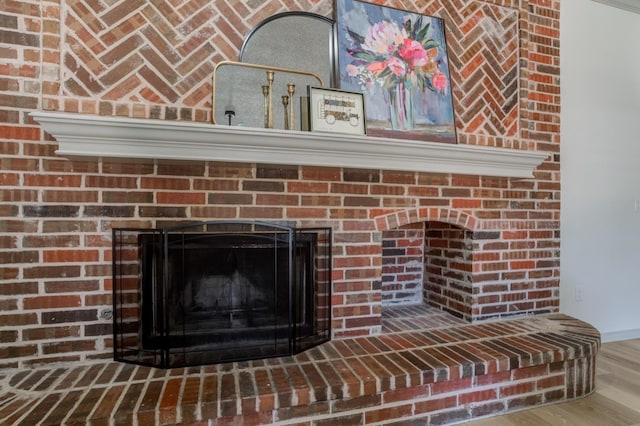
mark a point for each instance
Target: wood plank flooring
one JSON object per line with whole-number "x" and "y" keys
{"x": 616, "y": 401}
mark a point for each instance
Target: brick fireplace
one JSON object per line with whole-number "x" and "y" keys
{"x": 426, "y": 226}
{"x": 469, "y": 266}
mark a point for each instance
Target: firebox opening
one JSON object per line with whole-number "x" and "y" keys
{"x": 220, "y": 292}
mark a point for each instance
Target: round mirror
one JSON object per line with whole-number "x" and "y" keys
{"x": 296, "y": 40}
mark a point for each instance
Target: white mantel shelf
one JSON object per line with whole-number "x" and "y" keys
{"x": 100, "y": 136}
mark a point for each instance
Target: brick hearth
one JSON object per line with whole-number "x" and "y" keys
{"x": 426, "y": 366}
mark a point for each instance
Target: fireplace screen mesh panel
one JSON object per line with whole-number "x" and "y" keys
{"x": 216, "y": 292}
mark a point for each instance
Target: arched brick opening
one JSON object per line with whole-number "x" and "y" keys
{"x": 428, "y": 257}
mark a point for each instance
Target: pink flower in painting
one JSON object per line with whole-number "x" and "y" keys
{"x": 413, "y": 53}
{"x": 377, "y": 67}
{"x": 383, "y": 38}
{"x": 391, "y": 54}
{"x": 439, "y": 81}
{"x": 352, "y": 70}
{"x": 396, "y": 66}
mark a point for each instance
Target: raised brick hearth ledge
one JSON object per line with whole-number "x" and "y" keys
{"x": 421, "y": 370}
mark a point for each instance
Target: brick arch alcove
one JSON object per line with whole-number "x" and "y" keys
{"x": 428, "y": 258}
{"x": 474, "y": 268}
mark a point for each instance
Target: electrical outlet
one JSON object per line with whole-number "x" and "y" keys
{"x": 578, "y": 294}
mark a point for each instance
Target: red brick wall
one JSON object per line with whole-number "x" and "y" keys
{"x": 449, "y": 270}
{"x": 154, "y": 59}
{"x": 403, "y": 265}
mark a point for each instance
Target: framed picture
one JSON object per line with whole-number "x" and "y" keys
{"x": 398, "y": 59}
{"x": 336, "y": 111}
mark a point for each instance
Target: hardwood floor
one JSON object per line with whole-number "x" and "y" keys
{"x": 616, "y": 401}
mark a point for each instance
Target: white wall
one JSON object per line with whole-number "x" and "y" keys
{"x": 600, "y": 166}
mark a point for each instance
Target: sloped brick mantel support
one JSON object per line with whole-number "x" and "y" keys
{"x": 99, "y": 136}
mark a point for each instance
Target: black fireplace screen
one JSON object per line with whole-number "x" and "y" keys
{"x": 216, "y": 292}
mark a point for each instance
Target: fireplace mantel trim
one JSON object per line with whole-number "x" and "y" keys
{"x": 122, "y": 137}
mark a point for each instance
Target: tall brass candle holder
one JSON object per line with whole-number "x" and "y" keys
{"x": 270, "y": 78}
{"x": 291, "y": 89}
{"x": 285, "y": 103}
{"x": 265, "y": 94}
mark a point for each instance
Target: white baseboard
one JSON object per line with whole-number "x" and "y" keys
{"x": 614, "y": 336}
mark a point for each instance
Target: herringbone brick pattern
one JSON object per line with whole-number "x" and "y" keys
{"x": 485, "y": 56}
{"x": 162, "y": 53}
{"x": 156, "y": 52}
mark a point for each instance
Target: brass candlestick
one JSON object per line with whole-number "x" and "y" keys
{"x": 265, "y": 93}
{"x": 270, "y": 78}
{"x": 291, "y": 89}
{"x": 285, "y": 103}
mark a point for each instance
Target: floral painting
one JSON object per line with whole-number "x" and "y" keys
{"x": 398, "y": 59}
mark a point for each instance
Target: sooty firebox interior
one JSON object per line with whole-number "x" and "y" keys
{"x": 216, "y": 292}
